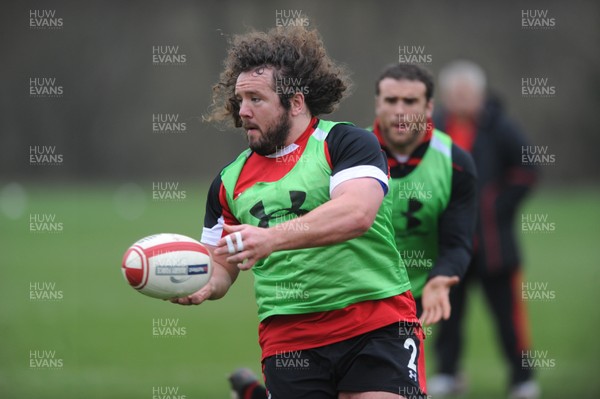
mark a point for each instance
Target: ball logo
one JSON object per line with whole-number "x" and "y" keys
{"x": 177, "y": 270}
{"x": 186, "y": 271}
{"x": 167, "y": 266}
{"x": 179, "y": 280}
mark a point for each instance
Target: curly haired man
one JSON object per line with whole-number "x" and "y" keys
{"x": 305, "y": 208}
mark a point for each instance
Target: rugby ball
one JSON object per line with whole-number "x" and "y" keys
{"x": 167, "y": 265}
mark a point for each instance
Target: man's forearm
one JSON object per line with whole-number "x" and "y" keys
{"x": 223, "y": 275}
{"x": 348, "y": 215}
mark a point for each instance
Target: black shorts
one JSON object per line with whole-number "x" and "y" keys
{"x": 389, "y": 359}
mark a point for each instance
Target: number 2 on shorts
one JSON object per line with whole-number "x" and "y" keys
{"x": 410, "y": 344}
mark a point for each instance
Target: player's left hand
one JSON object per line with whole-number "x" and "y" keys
{"x": 436, "y": 299}
{"x": 245, "y": 245}
{"x": 196, "y": 298}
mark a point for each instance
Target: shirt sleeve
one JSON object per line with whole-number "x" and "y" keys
{"x": 518, "y": 178}
{"x": 217, "y": 213}
{"x": 213, "y": 217}
{"x": 355, "y": 153}
{"x": 457, "y": 223}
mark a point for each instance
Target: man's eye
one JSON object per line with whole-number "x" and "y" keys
{"x": 254, "y": 99}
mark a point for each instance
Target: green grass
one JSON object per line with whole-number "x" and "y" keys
{"x": 102, "y": 329}
{"x": 567, "y": 260}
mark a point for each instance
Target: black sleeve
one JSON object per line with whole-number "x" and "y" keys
{"x": 519, "y": 177}
{"x": 352, "y": 147}
{"x": 213, "y": 217}
{"x": 457, "y": 223}
{"x": 214, "y": 210}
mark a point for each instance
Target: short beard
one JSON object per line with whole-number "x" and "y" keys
{"x": 410, "y": 140}
{"x": 274, "y": 137}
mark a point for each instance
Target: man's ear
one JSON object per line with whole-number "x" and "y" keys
{"x": 297, "y": 104}
{"x": 429, "y": 108}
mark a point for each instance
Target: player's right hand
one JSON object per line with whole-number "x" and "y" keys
{"x": 436, "y": 299}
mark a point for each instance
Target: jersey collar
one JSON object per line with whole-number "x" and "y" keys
{"x": 300, "y": 142}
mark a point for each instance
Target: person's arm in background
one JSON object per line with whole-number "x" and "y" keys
{"x": 518, "y": 177}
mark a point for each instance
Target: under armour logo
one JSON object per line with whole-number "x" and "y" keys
{"x": 412, "y": 374}
{"x": 413, "y": 206}
{"x": 297, "y": 198}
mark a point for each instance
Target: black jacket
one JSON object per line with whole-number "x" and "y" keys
{"x": 503, "y": 182}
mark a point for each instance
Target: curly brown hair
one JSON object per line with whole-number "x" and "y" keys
{"x": 299, "y": 62}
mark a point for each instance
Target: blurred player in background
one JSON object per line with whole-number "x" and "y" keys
{"x": 432, "y": 186}
{"x": 305, "y": 208}
{"x": 477, "y": 123}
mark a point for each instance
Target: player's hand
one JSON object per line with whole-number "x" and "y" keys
{"x": 436, "y": 299}
{"x": 197, "y": 297}
{"x": 245, "y": 245}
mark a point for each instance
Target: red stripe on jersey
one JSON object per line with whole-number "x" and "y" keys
{"x": 457, "y": 167}
{"x": 305, "y": 331}
{"x": 421, "y": 369}
{"x": 392, "y": 162}
{"x": 327, "y": 156}
{"x": 228, "y": 217}
{"x": 259, "y": 168}
{"x": 413, "y": 161}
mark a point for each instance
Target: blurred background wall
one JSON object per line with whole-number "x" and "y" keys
{"x": 101, "y": 61}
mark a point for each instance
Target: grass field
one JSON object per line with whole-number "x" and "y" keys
{"x": 92, "y": 336}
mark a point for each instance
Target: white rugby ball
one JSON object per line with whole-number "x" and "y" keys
{"x": 167, "y": 265}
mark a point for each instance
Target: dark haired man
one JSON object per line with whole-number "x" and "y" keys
{"x": 432, "y": 186}
{"x": 305, "y": 208}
